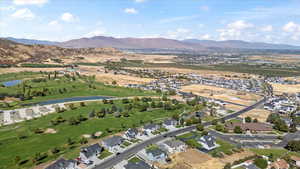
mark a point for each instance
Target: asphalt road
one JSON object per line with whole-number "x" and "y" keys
{"x": 109, "y": 163}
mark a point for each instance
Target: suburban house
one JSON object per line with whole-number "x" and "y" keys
{"x": 63, "y": 164}
{"x": 88, "y": 154}
{"x": 251, "y": 127}
{"x": 149, "y": 128}
{"x": 113, "y": 143}
{"x": 156, "y": 154}
{"x": 131, "y": 133}
{"x": 173, "y": 146}
{"x": 137, "y": 165}
{"x": 295, "y": 161}
{"x": 279, "y": 164}
{"x": 170, "y": 123}
{"x": 208, "y": 142}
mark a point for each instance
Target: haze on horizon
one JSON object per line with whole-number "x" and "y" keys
{"x": 272, "y": 21}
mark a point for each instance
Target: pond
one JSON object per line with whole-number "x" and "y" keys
{"x": 11, "y": 83}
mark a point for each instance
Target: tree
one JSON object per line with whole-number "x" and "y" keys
{"x": 114, "y": 82}
{"x": 293, "y": 145}
{"x": 17, "y": 159}
{"x": 281, "y": 125}
{"x": 82, "y": 104}
{"x": 255, "y": 121}
{"x": 70, "y": 141}
{"x": 83, "y": 140}
{"x": 238, "y": 129}
{"x": 214, "y": 122}
{"x": 200, "y": 127}
{"x": 261, "y": 163}
{"x": 248, "y": 119}
{"x": 220, "y": 127}
{"x": 227, "y": 166}
{"x": 92, "y": 114}
{"x": 293, "y": 128}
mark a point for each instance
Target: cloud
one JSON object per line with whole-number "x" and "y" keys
{"x": 179, "y": 33}
{"x": 24, "y": 13}
{"x": 139, "y": 1}
{"x": 239, "y": 25}
{"x": 97, "y": 32}
{"x": 204, "y": 8}
{"x": 7, "y": 8}
{"x": 234, "y": 30}
{"x": 267, "y": 28}
{"x": 206, "y": 37}
{"x": 55, "y": 25}
{"x": 30, "y": 2}
{"x": 68, "y": 17}
{"x": 293, "y": 29}
{"x": 131, "y": 11}
{"x": 179, "y": 18}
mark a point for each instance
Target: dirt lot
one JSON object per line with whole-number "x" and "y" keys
{"x": 193, "y": 159}
{"x": 279, "y": 88}
{"x": 12, "y": 70}
{"x": 233, "y": 107}
{"x": 236, "y": 156}
{"x": 222, "y": 93}
{"x": 259, "y": 114}
{"x": 108, "y": 78}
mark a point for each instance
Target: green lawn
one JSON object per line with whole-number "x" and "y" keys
{"x": 134, "y": 160}
{"x": 275, "y": 152}
{"x": 225, "y": 147}
{"x": 63, "y": 87}
{"x": 11, "y": 146}
{"x": 105, "y": 154}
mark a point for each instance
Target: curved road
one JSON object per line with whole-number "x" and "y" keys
{"x": 109, "y": 163}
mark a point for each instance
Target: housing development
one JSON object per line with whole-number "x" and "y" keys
{"x": 145, "y": 84}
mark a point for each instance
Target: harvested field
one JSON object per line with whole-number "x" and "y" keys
{"x": 280, "y": 88}
{"x": 222, "y": 94}
{"x": 259, "y": 114}
{"x": 193, "y": 159}
{"x": 278, "y": 58}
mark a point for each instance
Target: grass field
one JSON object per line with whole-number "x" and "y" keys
{"x": 57, "y": 89}
{"x": 11, "y": 145}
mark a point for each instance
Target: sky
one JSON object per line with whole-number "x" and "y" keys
{"x": 272, "y": 21}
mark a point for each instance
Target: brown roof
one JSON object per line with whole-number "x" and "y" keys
{"x": 280, "y": 164}
{"x": 249, "y": 126}
{"x": 295, "y": 158}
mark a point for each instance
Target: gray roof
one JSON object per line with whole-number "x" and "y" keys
{"x": 169, "y": 122}
{"x": 174, "y": 143}
{"x": 151, "y": 126}
{"x": 91, "y": 150}
{"x": 139, "y": 165}
{"x": 251, "y": 166}
{"x": 61, "y": 164}
{"x": 155, "y": 152}
{"x": 132, "y": 132}
{"x": 113, "y": 141}
{"x": 208, "y": 140}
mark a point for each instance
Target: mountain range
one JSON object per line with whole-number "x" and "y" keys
{"x": 157, "y": 43}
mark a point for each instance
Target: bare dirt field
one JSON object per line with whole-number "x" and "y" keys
{"x": 280, "y": 88}
{"x": 193, "y": 159}
{"x": 286, "y": 58}
{"x": 21, "y": 69}
{"x": 236, "y": 156}
{"x": 108, "y": 78}
{"x": 233, "y": 107}
{"x": 260, "y": 114}
{"x": 222, "y": 94}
